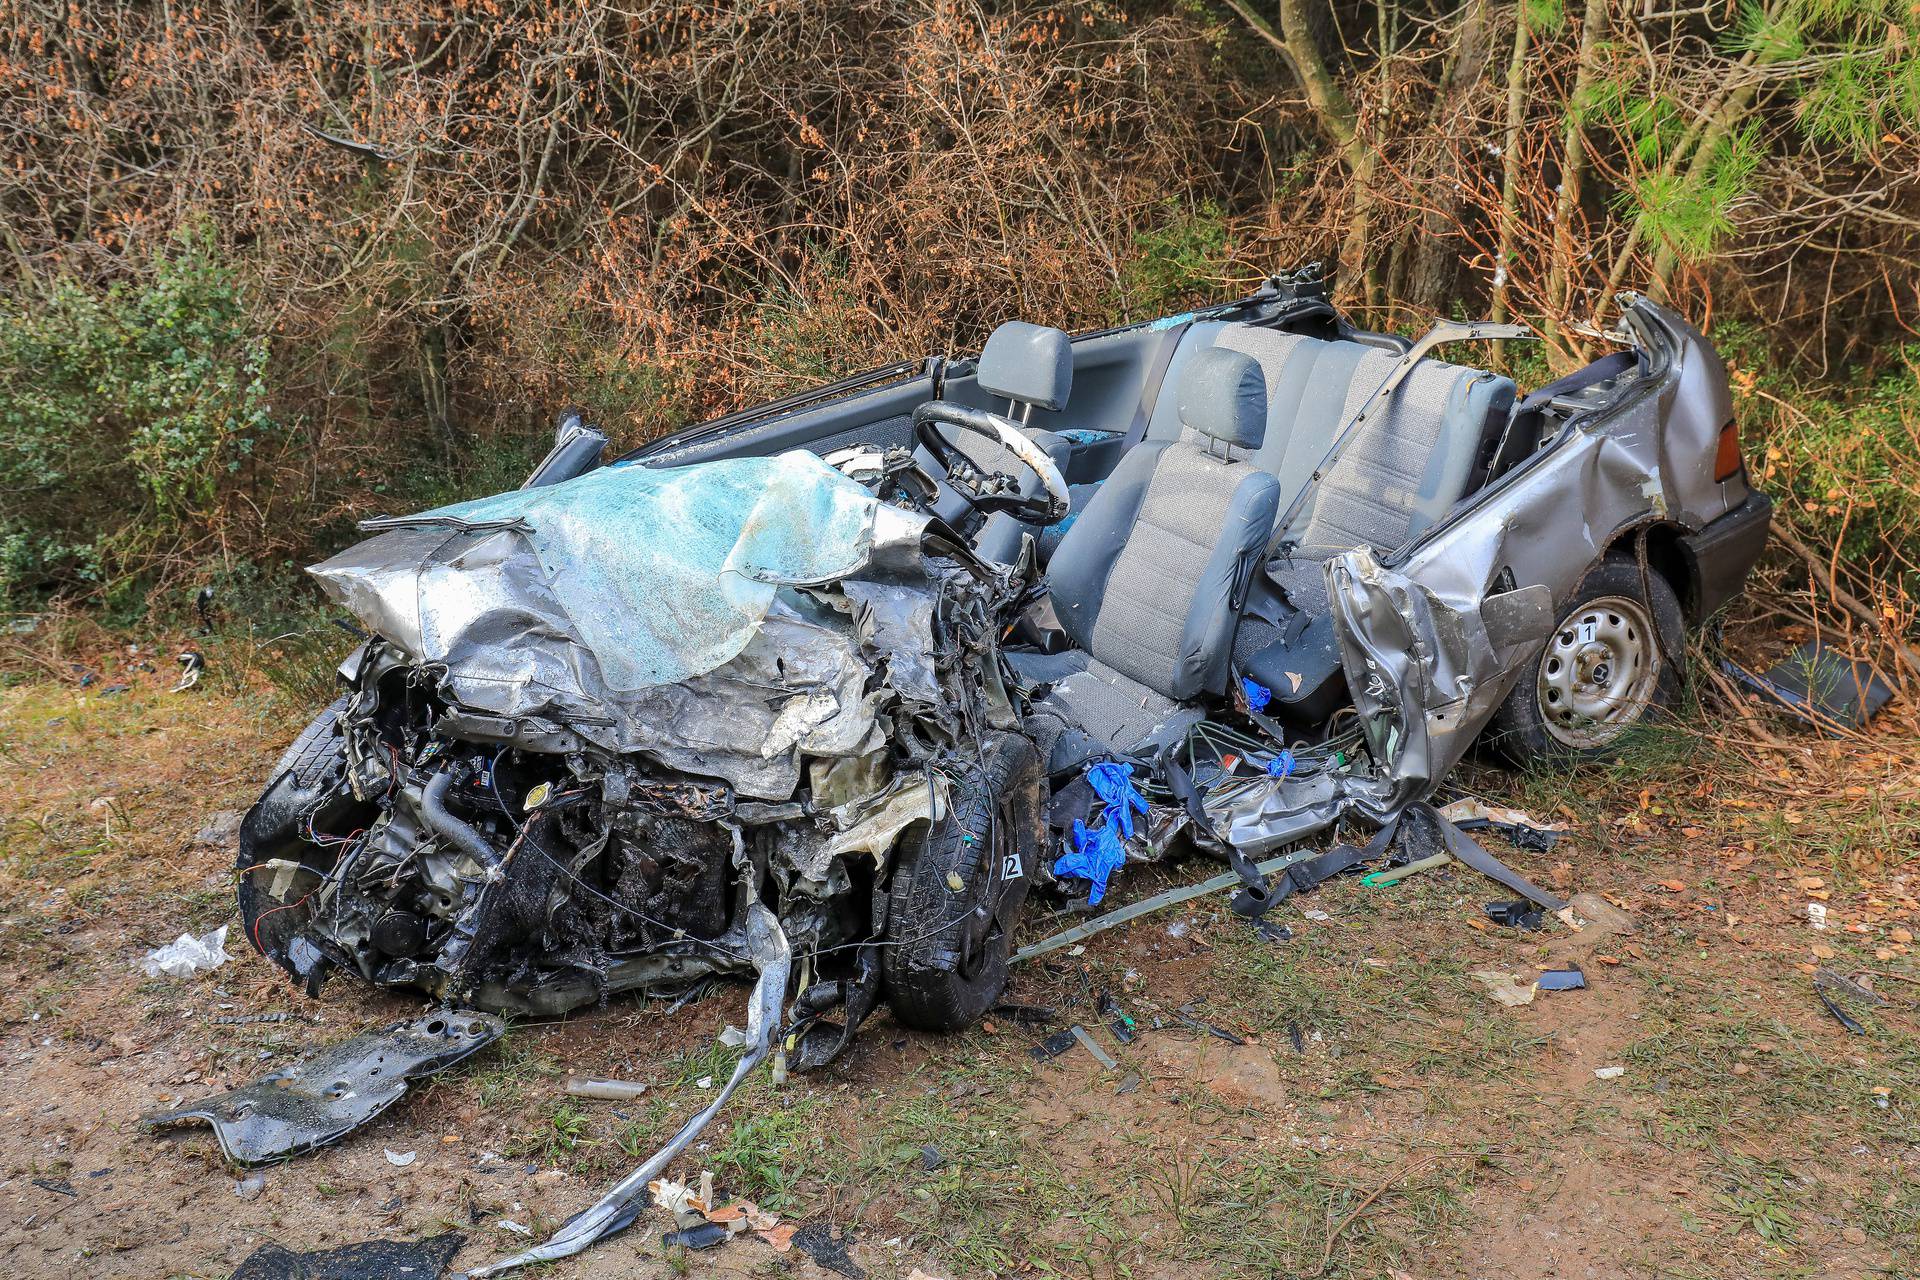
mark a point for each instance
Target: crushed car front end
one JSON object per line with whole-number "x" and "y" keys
{"x": 526, "y": 800}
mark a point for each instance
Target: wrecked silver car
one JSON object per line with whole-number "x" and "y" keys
{"x": 819, "y": 691}
{"x": 848, "y": 654}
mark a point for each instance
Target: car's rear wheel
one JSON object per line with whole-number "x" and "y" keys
{"x": 1612, "y": 662}
{"x": 958, "y": 887}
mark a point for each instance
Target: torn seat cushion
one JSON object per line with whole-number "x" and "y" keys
{"x": 1092, "y": 710}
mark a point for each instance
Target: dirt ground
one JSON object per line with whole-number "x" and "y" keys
{"x": 1351, "y": 1102}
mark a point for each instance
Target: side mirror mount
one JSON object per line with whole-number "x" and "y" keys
{"x": 577, "y": 449}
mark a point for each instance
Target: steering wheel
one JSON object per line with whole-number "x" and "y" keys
{"x": 991, "y": 491}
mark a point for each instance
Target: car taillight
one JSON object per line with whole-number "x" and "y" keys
{"x": 1726, "y": 459}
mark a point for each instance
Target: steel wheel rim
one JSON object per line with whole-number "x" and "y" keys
{"x": 1599, "y": 672}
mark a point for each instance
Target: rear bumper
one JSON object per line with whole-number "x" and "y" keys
{"x": 1720, "y": 556}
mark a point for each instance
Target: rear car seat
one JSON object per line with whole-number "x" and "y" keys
{"x": 1399, "y": 473}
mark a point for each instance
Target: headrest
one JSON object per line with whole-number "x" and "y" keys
{"x": 1223, "y": 396}
{"x": 1029, "y": 363}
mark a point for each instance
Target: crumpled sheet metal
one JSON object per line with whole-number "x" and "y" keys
{"x": 328, "y": 1096}
{"x": 800, "y": 685}
{"x": 659, "y": 573}
{"x": 1431, "y": 644}
{"x": 616, "y": 1210}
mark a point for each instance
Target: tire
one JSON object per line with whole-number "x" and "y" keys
{"x": 941, "y": 967}
{"x": 309, "y": 780}
{"x": 1603, "y": 671}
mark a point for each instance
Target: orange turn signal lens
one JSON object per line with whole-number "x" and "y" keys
{"x": 1726, "y": 459}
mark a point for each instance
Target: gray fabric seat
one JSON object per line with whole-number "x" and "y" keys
{"x": 1149, "y": 580}
{"x": 1399, "y": 473}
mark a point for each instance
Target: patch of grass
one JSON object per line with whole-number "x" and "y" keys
{"x": 514, "y": 1065}
{"x": 1267, "y": 1209}
{"x": 1696, "y": 1032}
{"x": 775, "y": 1144}
{"x": 1759, "y": 1197}
{"x": 1000, "y": 1200}
{"x": 559, "y": 1137}
{"x": 1889, "y": 1212}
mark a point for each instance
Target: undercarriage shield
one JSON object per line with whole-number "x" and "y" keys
{"x": 323, "y": 1099}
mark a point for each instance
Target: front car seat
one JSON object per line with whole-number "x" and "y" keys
{"x": 1031, "y": 367}
{"x": 1149, "y": 581}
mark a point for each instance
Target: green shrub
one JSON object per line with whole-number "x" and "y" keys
{"x": 125, "y": 414}
{"x": 1178, "y": 259}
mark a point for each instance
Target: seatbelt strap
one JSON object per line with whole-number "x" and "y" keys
{"x": 1442, "y": 332}
{"x": 1607, "y": 366}
{"x": 1467, "y": 851}
{"x": 1150, "y": 389}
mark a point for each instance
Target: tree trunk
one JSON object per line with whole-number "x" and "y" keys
{"x": 1510, "y": 172}
{"x": 1435, "y": 272}
{"x": 1332, "y": 110}
{"x": 1564, "y": 349}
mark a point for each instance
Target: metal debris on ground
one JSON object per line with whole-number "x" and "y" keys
{"x": 616, "y": 1210}
{"x": 372, "y": 1260}
{"x": 1561, "y": 980}
{"x": 329, "y": 1095}
{"x": 1087, "y": 1042}
{"x": 1053, "y": 1046}
{"x": 605, "y": 1090}
{"x": 1826, "y": 689}
{"x": 187, "y": 955}
{"x": 1517, "y": 914}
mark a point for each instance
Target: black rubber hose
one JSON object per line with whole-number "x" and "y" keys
{"x": 433, "y": 807}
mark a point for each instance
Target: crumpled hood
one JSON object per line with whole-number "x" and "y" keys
{"x": 655, "y": 575}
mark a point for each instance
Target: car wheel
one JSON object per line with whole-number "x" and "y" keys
{"x": 958, "y": 887}
{"x": 1614, "y": 660}
{"x": 276, "y": 866}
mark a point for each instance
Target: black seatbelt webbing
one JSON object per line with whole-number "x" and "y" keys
{"x": 1150, "y": 389}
